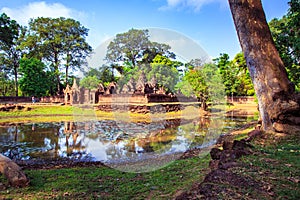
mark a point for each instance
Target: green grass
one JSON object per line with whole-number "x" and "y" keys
{"x": 53, "y": 113}
{"x": 277, "y": 166}
{"x": 49, "y": 113}
{"x": 108, "y": 183}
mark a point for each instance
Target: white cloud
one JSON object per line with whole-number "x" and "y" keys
{"x": 194, "y": 4}
{"x": 41, "y": 9}
{"x": 23, "y": 14}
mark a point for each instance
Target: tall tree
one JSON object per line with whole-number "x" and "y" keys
{"x": 278, "y": 102}
{"x": 204, "y": 82}
{"x": 10, "y": 53}
{"x": 128, "y": 46}
{"x": 134, "y": 47}
{"x": 58, "y": 40}
{"x": 155, "y": 49}
{"x": 75, "y": 47}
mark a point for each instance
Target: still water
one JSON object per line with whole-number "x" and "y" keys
{"x": 109, "y": 140}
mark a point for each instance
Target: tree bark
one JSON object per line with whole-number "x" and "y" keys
{"x": 13, "y": 172}
{"x": 16, "y": 80}
{"x": 278, "y": 103}
{"x": 56, "y": 65}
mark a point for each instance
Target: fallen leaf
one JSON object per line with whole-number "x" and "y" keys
{"x": 294, "y": 180}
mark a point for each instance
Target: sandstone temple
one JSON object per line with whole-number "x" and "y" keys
{"x": 133, "y": 95}
{"x": 139, "y": 91}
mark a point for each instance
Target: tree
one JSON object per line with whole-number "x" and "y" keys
{"x": 75, "y": 47}
{"x": 244, "y": 86}
{"x": 286, "y": 34}
{"x": 196, "y": 63}
{"x": 236, "y": 77}
{"x": 204, "y": 82}
{"x": 134, "y": 47}
{"x": 10, "y": 53}
{"x": 166, "y": 76}
{"x": 194, "y": 85}
{"x": 6, "y": 85}
{"x": 34, "y": 81}
{"x": 278, "y": 102}
{"x": 104, "y": 74}
{"x": 128, "y": 46}
{"x": 58, "y": 41}
{"x": 155, "y": 49}
{"x": 89, "y": 82}
{"x": 228, "y": 73}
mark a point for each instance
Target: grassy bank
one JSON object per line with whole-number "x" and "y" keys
{"x": 274, "y": 167}
{"x": 271, "y": 172}
{"x": 107, "y": 183}
{"x": 56, "y": 113}
{"x": 275, "y": 164}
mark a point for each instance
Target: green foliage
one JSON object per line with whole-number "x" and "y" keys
{"x": 34, "y": 81}
{"x": 203, "y": 82}
{"x": 286, "y": 34}
{"x": 135, "y": 48}
{"x": 89, "y": 82}
{"x": 235, "y": 75}
{"x": 159, "y": 59}
{"x": 128, "y": 46}
{"x": 193, "y": 84}
{"x": 244, "y": 86}
{"x": 104, "y": 74}
{"x": 166, "y": 76}
{"x": 9, "y": 30}
{"x": 163, "y": 69}
{"x": 58, "y": 40}
{"x": 10, "y": 53}
{"x": 6, "y": 85}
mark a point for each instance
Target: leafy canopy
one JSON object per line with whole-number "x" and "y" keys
{"x": 34, "y": 81}
{"x": 134, "y": 47}
{"x": 286, "y": 34}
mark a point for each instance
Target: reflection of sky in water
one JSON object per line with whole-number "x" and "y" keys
{"x": 108, "y": 140}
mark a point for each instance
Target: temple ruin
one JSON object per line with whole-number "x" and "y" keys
{"x": 133, "y": 96}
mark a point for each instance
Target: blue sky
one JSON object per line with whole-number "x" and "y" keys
{"x": 207, "y": 22}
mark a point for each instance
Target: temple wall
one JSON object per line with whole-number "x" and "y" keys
{"x": 122, "y": 98}
{"x": 241, "y": 99}
{"x": 52, "y": 99}
{"x": 144, "y": 109}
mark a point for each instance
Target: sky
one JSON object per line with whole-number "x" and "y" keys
{"x": 208, "y": 23}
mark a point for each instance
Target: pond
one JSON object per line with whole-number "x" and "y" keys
{"x": 112, "y": 141}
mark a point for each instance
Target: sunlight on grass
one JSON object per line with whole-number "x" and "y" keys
{"x": 104, "y": 182}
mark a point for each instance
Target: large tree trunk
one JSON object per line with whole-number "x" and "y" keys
{"x": 13, "y": 172}
{"x": 16, "y": 80}
{"x": 278, "y": 103}
{"x": 56, "y": 67}
{"x": 67, "y": 68}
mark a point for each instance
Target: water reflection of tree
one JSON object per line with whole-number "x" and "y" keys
{"x": 159, "y": 138}
{"x": 9, "y": 147}
{"x": 74, "y": 146}
{"x": 20, "y": 148}
{"x": 119, "y": 139}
